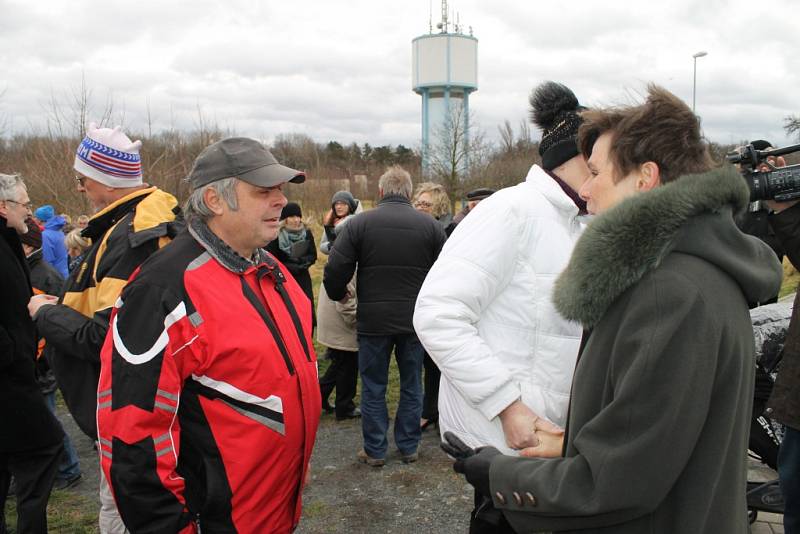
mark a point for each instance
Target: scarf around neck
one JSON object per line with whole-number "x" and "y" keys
{"x": 287, "y": 238}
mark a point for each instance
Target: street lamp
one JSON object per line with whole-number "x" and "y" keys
{"x": 694, "y": 79}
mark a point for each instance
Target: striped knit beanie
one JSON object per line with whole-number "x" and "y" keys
{"x": 109, "y": 157}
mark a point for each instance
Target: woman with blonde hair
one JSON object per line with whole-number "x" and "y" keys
{"x": 76, "y": 247}
{"x": 432, "y": 199}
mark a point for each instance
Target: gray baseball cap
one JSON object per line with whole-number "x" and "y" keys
{"x": 243, "y": 158}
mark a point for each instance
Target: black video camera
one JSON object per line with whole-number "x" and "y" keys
{"x": 778, "y": 183}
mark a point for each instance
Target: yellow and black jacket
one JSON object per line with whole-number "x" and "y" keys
{"x": 123, "y": 235}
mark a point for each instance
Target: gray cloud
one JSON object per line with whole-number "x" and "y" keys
{"x": 342, "y": 70}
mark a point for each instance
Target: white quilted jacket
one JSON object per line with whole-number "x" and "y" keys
{"x": 485, "y": 314}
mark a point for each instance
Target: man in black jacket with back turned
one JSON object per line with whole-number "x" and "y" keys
{"x": 30, "y": 437}
{"x": 393, "y": 248}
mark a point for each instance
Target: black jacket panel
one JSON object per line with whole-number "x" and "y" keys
{"x": 393, "y": 247}
{"x": 784, "y": 403}
{"x": 25, "y": 421}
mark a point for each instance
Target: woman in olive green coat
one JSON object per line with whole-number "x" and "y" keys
{"x": 656, "y": 439}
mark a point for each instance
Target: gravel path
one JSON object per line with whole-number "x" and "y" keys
{"x": 347, "y": 496}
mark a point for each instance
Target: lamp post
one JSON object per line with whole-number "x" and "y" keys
{"x": 694, "y": 78}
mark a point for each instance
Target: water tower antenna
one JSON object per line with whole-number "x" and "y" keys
{"x": 445, "y": 29}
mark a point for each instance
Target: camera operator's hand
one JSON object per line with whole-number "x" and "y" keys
{"x": 476, "y": 468}
{"x": 777, "y": 207}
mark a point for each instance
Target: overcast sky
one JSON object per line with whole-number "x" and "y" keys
{"x": 342, "y": 70}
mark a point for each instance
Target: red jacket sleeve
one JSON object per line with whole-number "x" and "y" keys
{"x": 150, "y": 349}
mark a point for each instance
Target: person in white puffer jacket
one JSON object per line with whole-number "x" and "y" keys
{"x": 485, "y": 313}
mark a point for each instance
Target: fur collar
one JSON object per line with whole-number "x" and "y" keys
{"x": 620, "y": 246}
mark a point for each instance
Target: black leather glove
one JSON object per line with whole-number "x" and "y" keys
{"x": 474, "y": 464}
{"x": 456, "y": 448}
{"x": 476, "y": 468}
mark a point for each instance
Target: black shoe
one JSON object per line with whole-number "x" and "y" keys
{"x": 65, "y": 483}
{"x": 326, "y": 406}
{"x": 354, "y": 414}
{"x": 429, "y": 423}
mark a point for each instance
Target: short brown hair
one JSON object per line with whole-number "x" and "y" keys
{"x": 663, "y": 130}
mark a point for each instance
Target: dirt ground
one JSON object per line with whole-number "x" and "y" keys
{"x": 344, "y": 495}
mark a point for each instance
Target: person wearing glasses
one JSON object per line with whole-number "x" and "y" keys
{"x": 132, "y": 220}
{"x": 30, "y": 437}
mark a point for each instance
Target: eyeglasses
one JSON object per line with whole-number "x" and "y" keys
{"x": 423, "y": 204}
{"x": 28, "y": 206}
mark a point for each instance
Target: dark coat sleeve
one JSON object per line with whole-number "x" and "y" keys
{"x": 784, "y": 402}
{"x": 73, "y": 333}
{"x": 787, "y": 227}
{"x": 6, "y": 348}
{"x": 650, "y": 427}
{"x": 342, "y": 261}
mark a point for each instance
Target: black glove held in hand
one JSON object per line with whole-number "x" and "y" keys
{"x": 456, "y": 448}
{"x": 476, "y": 468}
{"x": 472, "y": 463}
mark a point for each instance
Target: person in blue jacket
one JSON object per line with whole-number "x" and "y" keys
{"x": 54, "y": 250}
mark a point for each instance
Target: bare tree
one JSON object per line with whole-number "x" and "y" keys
{"x": 458, "y": 149}
{"x": 507, "y": 143}
{"x": 792, "y": 125}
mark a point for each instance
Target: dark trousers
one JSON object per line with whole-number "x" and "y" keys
{"x": 486, "y": 519}
{"x": 789, "y": 475}
{"x": 374, "y": 354}
{"x": 342, "y": 375}
{"x": 34, "y": 473}
{"x": 430, "y": 401}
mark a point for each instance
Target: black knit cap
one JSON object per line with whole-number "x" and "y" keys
{"x": 292, "y": 209}
{"x": 555, "y": 110}
{"x": 33, "y": 237}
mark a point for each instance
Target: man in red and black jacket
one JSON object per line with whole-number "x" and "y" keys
{"x": 208, "y": 401}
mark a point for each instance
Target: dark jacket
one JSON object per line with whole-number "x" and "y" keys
{"x": 784, "y": 403}
{"x": 27, "y": 423}
{"x": 656, "y": 439}
{"x": 44, "y": 279}
{"x": 53, "y": 248}
{"x": 303, "y": 256}
{"x": 123, "y": 235}
{"x": 393, "y": 246}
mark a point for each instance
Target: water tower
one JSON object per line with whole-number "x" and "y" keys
{"x": 444, "y": 71}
